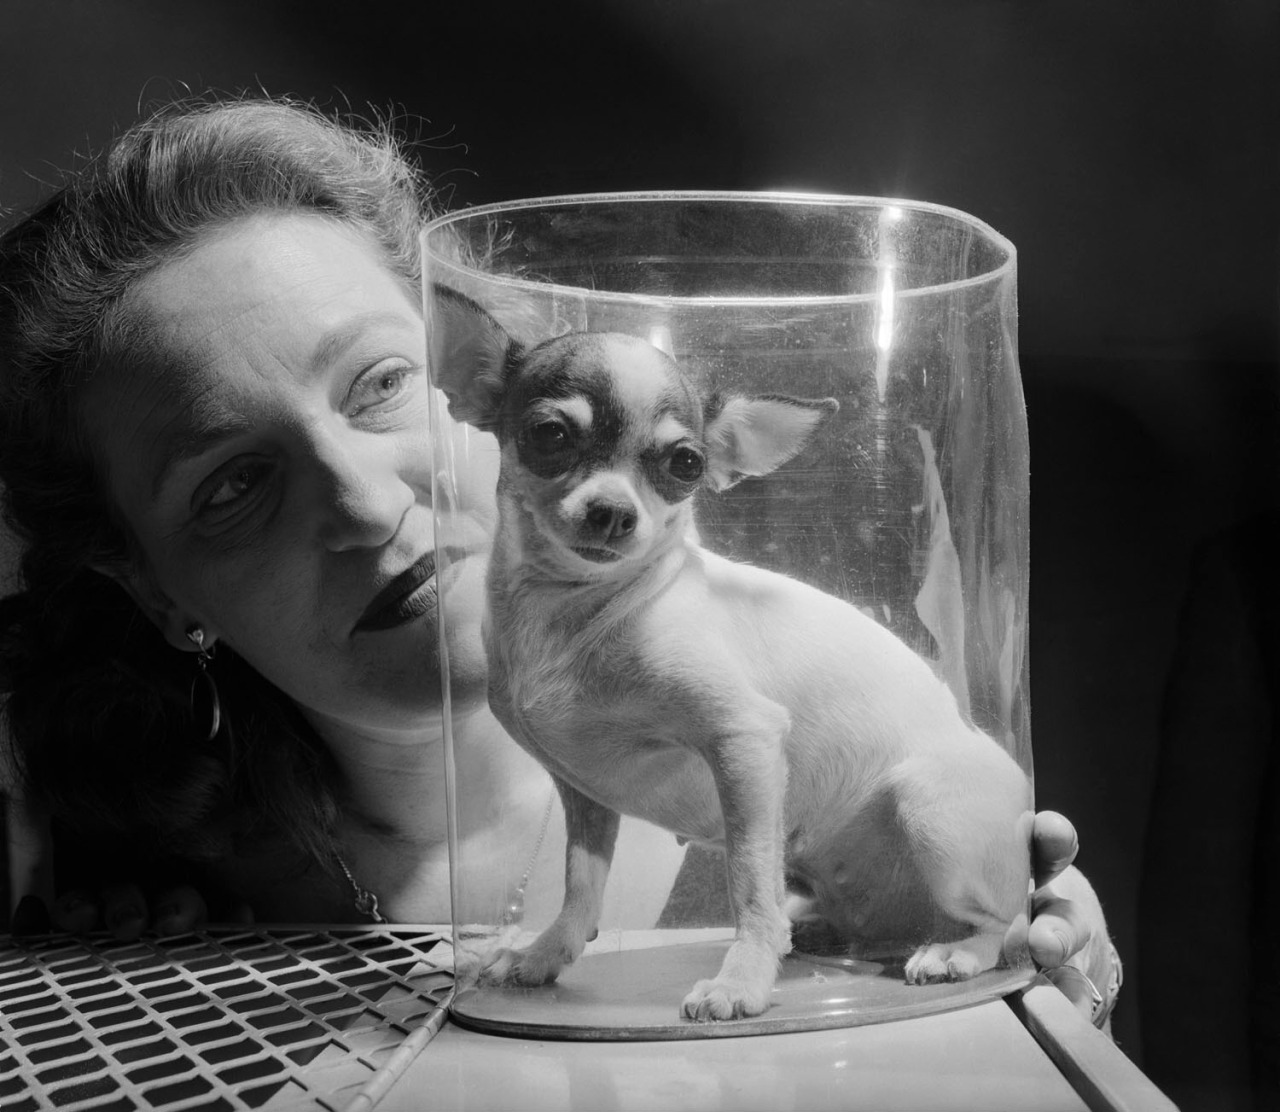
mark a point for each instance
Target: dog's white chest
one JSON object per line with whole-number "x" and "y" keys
{"x": 593, "y": 720}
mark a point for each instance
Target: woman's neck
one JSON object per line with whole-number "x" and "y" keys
{"x": 393, "y": 782}
{"x": 393, "y": 834}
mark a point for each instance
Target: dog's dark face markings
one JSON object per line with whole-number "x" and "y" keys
{"x": 605, "y": 439}
{"x": 587, "y": 403}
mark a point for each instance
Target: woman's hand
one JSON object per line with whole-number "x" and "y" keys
{"x": 123, "y": 909}
{"x": 1067, "y": 936}
{"x": 1059, "y": 927}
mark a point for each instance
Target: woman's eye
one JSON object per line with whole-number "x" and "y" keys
{"x": 686, "y": 465}
{"x": 230, "y": 486}
{"x": 548, "y": 437}
{"x": 378, "y": 386}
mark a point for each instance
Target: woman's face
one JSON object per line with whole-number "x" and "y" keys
{"x": 275, "y": 466}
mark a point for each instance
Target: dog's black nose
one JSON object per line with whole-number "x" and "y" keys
{"x": 611, "y": 520}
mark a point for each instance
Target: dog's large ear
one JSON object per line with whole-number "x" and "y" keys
{"x": 752, "y": 436}
{"x": 470, "y": 357}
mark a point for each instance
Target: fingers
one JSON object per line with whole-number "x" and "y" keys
{"x": 179, "y": 910}
{"x": 75, "y": 912}
{"x": 1015, "y": 941}
{"x": 1072, "y": 984}
{"x": 1066, "y": 917}
{"x": 1054, "y": 845}
{"x": 1058, "y": 930}
{"x": 124, "y": 910}
{"x": 241, "y": 914}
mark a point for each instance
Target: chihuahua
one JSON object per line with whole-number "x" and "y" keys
{"x": 732, "y": 705}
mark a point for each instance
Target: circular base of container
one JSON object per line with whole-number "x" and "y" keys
{"x": 635, "y": 994}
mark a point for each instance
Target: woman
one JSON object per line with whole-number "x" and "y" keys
{"x": 211, "y": 397}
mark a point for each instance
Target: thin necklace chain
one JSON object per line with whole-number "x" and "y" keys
{"x": 366, "y": 902}
{"x": 515, "y": 907}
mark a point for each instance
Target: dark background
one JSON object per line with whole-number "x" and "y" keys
{"x": 1128, "y": 149}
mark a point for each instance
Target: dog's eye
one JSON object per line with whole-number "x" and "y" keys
{"x": 686, "y": 465}
{"x": 548, "y": 437}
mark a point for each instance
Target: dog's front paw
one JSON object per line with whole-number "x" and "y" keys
{"x": 744, "y": 984}
{"x": 724, "y": 998}
{"x": 539, "y": 964}
{"x": 945, "y": 961}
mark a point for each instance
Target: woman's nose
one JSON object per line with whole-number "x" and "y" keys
{"x": 362, "y": 496}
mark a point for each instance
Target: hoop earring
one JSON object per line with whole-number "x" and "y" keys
{"x": 204, "y": 678}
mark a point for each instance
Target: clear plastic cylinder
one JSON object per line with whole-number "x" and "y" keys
{"x": 910, "y": 503}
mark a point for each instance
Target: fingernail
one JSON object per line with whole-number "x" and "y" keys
{"x": 126, "y": 920}
{"x": 168, "y": 919}
{"x": 1063, "y": 944}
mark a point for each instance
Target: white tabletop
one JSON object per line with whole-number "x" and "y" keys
{"x": 979, "y": 1057}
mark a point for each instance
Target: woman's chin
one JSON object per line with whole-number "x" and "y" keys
{"x": 416, "y": 703}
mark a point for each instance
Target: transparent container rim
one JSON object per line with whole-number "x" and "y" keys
{"x": 764, "y": 197}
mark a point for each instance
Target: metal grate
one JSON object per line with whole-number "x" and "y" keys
{"x": 222, "y": 1018}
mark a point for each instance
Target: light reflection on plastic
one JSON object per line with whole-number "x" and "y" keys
{"x": 883, "y": 337}
{"x": 660, "y": 337}
{"x": 884, "y": 321}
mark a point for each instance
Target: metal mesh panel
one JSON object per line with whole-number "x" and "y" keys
{"x": 222, "y": 1018}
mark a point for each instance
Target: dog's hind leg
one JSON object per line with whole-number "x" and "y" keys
{"x": 978, "y": 872}
{"x": 751, "y": 773}
{"x": 955, "y": 961}
{"x": 984, "y": 893}
{"x": 591, "y": 831}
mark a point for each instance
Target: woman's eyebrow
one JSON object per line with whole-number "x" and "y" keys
{"x": 336, "y": 342}
{"x": 187, "y": 443}
{"x": 191, "y": 440}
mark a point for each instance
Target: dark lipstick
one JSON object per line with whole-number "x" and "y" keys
{"x": 409, "y": 595}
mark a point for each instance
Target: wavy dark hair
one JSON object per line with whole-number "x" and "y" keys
{"x": 98, "y": 706}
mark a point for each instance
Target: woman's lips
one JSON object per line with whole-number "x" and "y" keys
{"x": 409, "y": 595}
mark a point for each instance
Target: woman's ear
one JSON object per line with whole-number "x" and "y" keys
{"x": 159, "y": 609}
